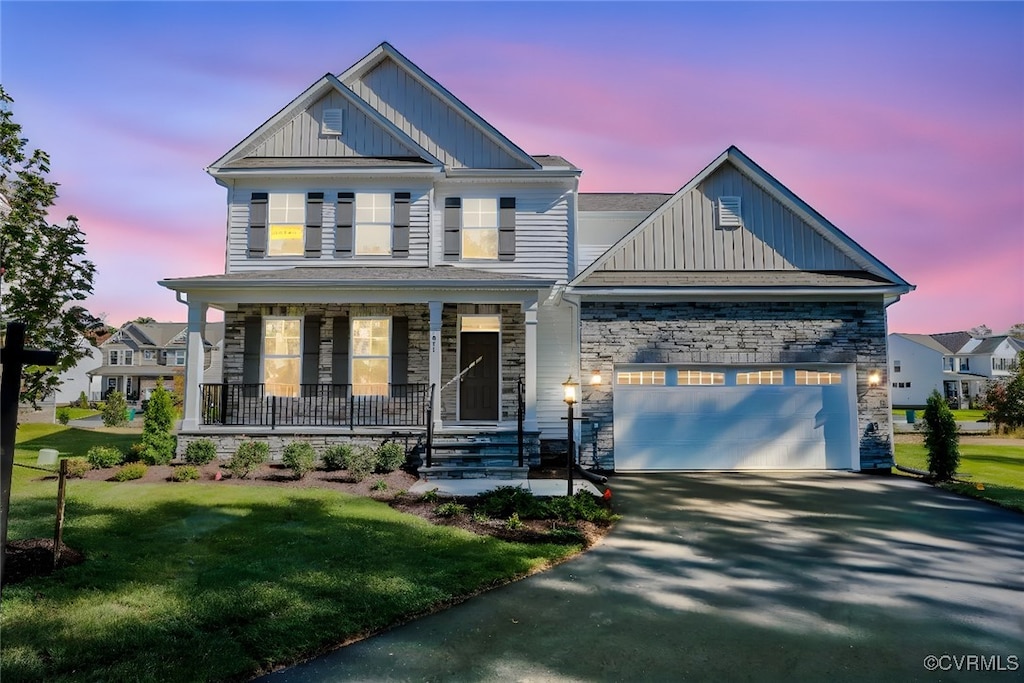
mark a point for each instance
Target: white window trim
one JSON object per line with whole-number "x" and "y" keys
{"x": 389, "y": 224}
{"x": 495, "y": 228}
{"x": 287, "y": 197}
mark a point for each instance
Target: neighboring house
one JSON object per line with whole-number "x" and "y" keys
{"x": 139, "y": 355}
{"x": 394, "y": 260}
{"x": 956, "y": 365}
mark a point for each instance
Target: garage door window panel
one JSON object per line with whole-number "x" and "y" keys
{"x": 755, "y": 377}
{"x": 816, "y": 378}
{"x": 641, "y": 377}
{"x": 700, "y": 378}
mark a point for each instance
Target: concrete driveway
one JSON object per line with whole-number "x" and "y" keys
{"x": 736, "y": 577}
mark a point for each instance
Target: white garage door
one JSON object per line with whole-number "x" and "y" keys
{"x": 764, "y": 418}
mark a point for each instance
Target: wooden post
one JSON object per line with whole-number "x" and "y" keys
{"x": 58, "y": 534}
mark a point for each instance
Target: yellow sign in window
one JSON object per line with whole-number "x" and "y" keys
{"x": 286, "y": 240}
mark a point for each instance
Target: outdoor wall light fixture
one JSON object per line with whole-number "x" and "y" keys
{"x": 595, "y": 378}
{"x": 874, "y": 378}
{"x": 571, "y": 397}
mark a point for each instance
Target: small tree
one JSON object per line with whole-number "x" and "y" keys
{"x": 158, "y": 428}
{"x": 941, "y": 438}
{"x": 115, "y": 412}
{"x": 1004, "y": 400}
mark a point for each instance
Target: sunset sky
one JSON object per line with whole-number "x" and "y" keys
{"x": 903, "y": 124}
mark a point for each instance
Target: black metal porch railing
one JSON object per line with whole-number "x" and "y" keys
{"x": 316, "y": 405}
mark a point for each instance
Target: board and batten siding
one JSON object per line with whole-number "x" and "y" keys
{"x": 238, "y": 232}
{"x": 556, "y": 354}
{"x": 686, "y": 235}
{"x": 361, "y": 137}
{"x": 437, "y": 127}
{"x": 542, "y": 230}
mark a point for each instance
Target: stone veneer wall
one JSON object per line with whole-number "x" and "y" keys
{"x": 739, "y": 333}
{"x": 227, "y": 443}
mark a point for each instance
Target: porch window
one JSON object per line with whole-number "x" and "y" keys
{"x": 373, "y": 224}
{"x": 179, "y": 357}
{"x": 759, "y": 377}
{"x": 480, "y": 228}
{"x": 371, "y": 356}
{"x": 287, "y": 218}
{"x": 282, "y": 356}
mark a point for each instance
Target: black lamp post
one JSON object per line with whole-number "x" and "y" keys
{"x": 571, "y": 398}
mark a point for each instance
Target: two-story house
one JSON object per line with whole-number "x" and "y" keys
{"x": 955, "y": 364}
{"x": 395, "y": 262}
{"x": 139, "y": 355}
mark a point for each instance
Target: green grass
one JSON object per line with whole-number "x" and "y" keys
{"x": 964, "y": 415}
{"x": 200, "y": 581}
{"x": 998, "y": 468}
{"x": 79, "y": 413}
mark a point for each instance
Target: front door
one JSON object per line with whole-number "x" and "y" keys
{"x": 478, "y": 390}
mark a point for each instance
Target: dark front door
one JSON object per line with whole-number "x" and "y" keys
{"x": 478, "y": 391}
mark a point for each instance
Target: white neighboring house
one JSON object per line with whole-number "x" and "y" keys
{"x": 955, "y": 364}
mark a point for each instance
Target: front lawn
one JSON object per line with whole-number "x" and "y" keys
{"x": 961, "y": 415}
{"x": 998, "y": 468}
{"x": 199, "y": 581}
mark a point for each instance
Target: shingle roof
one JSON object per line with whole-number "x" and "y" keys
{"x": 952, "y": 341}
{"x": 621, "y": 201}
{"x": 925, "y": 340}
{"x": 732, "y": 278}
{"x": 326, "y": 162}
{"x": 547, "y": 160}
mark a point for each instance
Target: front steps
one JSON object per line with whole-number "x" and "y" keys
{"x": 467, "y": 453}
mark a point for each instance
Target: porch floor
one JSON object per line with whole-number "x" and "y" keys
{"x": 473, "y": 487}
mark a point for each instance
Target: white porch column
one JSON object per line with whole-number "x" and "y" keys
{"x": 194, "y": 362}
{"x": 530, "y": 369}
{"x": 435, "y": 357}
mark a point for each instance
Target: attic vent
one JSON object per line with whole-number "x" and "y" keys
{"x": 332, "y": 122}
{"x": 729, "y": 212}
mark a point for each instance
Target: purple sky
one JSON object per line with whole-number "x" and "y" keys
{"x": 903, "y": 124}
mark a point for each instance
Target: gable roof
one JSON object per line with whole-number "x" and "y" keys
{"x": 925, "y": 340}
{"x": 952, "y": 341}
{"x": 624, "y": 256}
{"x": 384, "y": 52}
{"x": 991, "y": 344}
{"x": 621, "y": 201}
{"x": 326, "y": 85}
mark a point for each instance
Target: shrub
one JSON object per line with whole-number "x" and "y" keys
{"x": 101, "y": 457}
{"x": 299, "y": 457}
{"x": 200, "y": 452}
{"x": 63, "y": 415}
{"x": 77, "y": 467}
{"x": 581, "y": 506}
{"x": 390, "y": 456}
{"x": 185, "y": 473}
{"x": 430, "y": 496}
{"x": 115, "y": 410}
{"x": 248, "y": 458}
{"x": 450, "y": 509}
{"x": 513, "y": 522}
{"x": 1004, "y": 399}
{"x": 360, "y": 462}
{"x": 380, "y": 485}
{"x": 503, "y": 501}
{"x": 134, "y": 453}
{"x": 335, "y": 456}
{"x": 157, "y": 429}
{"x": 133, "y": 470}
{"x": 83, "y": 401}
{"x": 941, "y": 438}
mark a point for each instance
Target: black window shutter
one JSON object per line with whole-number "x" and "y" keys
{"x": 399, "y": 350}
{"x": 258, "y": 225}
{"x": 452, "y": 226}
{"x": 343, "y": 221}
{"x": 310, "y": 354}
{"x": 339, "y": 351}
{"x": 252, "y": 345}
{"x": 507, "y": 229}
{"x": 314, "y": 223}
{"x": 400, "y": 230}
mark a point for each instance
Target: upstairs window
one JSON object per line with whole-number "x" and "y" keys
{"x": 115, "y": 357}
{"x": 896, "y": 366}
{"x": 480, "y": 228}
{"x": 947, "y": 363}
{"x": 179, "y": 357}
{"x": 126, "y": 357}
{"x": 286, "y": 215}
{"x": 373, "y": 224}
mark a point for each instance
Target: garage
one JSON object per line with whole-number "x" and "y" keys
{"x": 770, "y": 417}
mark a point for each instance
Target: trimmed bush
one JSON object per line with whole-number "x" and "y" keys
{"x": 115, "y": 411}
{"x": 334, "y": 457}
{"x": 83, "y": 400}
{"x": 135, "y": 452}
{"x": 299, "y": 457}
{"x": 248, "y": 458}
{"x": 157, "y": 429}
{"x": 133, "y": 470}
{"x": 581, "y": 506}
{"x": 360, "y": 462}
{"x": 450, "y": 509}
{"x": 200, "y": 452}
{"x": 502, "y": 502}
{"x": 77, "y": 467}
{"x": 63, "y": 415}
{"x": 390, "y": 456}
{"x": 185, "y": 473}
{"x": 941, "y": 438}
{"x": 101, "y": 457}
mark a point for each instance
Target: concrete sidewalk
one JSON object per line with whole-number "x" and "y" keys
{"x": 473, "y": 487}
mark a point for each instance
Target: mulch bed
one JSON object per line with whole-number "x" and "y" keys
{"x": 34, "y": 556}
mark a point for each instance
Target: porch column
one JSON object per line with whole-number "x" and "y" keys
{"x": 435, "y": 357}
{"x": 530, "y": 368}
{"x": 194, "y": 362}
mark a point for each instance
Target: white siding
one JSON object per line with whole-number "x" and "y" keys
{"x": 430, "y": 121}
{"x": 556, "y": 354}
{"x": 686, "y": 235}
{"x": 238, "y": 228}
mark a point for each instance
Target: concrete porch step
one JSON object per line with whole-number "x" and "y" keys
{"x": 446, "y": 472}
